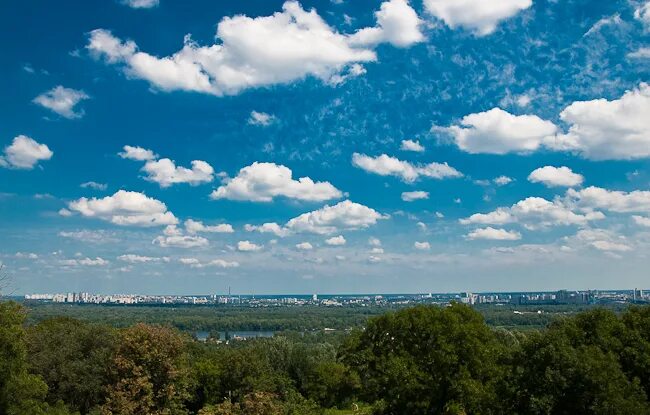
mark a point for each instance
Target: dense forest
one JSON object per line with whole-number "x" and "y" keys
{"x": 417, "y": 360}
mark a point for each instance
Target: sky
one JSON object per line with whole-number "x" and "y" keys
{"x": 332, "y": 146}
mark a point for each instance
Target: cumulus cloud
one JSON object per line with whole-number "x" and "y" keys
{"x": 219, "y": 263}
{"x": 89, "y": 236}
{"x": 140, "y": 259}
{"x": 261, "y": 118}
{"x": 89, "y": 262}
{"x": 502, "y": 180}
{"x": 94, "y": 185}
{"x": 385, "y": 165}
{"x": 269, "y": 227}
{"x": 336, "y": 241}
{"x": 137, "y": 153}
{"x": 641, "y": 53}
{"x": 330, "y": 219}
{"x": 165, "y": 172}
{"x": 609, "y": 130}
{"x": 268, "y": 50}
{"x": 642, "y": 14}
{"x": 422, "y": 246}
{"x": 410, "y": 145}
{"x": 479, "y": 16}
{"x": 125, "y": 208}
{"x": 637, "y": 201}
{"x": 496, "y": 234}
{"x": 180, "y": 241}
{"x": 26, "y": 255}
{"x": 601, "y": 239}
{"x": 193, "y": 226}
{"x": 304, "y": 246}
{"x": 62, "y": 101}
{"x": 416, "y": 195}
{"x": 397, "y": 24}
{"x": 24, "y": 153}
{"x": 498, "y": 132}
{"x": 248, "y": 246}
{"x": 534, "y": 213}
{"x": 555, "y": 177}
{"x": 641, "y": 220}
{"x": 261, "y": 182}
{"x": 141, "y": 4}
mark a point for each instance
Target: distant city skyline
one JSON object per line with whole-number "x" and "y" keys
{"x": 325, "y": 146}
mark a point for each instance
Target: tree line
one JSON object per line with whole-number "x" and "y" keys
{"x": 418, "y": 360}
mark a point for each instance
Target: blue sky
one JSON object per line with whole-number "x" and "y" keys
{"x": 324, "y": 146}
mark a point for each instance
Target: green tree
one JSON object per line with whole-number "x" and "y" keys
{"x": 425, "y": 359}
{"x": 150, "y": 373}
{"x": 74, "y": 359}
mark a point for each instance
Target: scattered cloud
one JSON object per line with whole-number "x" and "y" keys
{"x": 88, "y": 262}
{"x": 248, "y": 56}
{"x": 166, "y": 173}
{"x": 637, "y": 201}
{"x": 89, "y": 236}
{"x": 336, "y": 241}
{"x": 125, "y": 208}
{"x": 62, "y": 101}
{"x": 641, "y": 53}
{"x": 141, "y": 4}
{"x": 416, "y": 195}
{"x": 137, "y": 153}
{"x": 261, "y": 182}
{"x": 261, "y": 118}
{"x": 479, "y": 16}
{"x": 496, "y": 234}
{"x": 304, "y": 246}
{"x": 344, "y": 215}
{"x": 502, "y": 180}
{"x": 410, "y": 145}
{"x": 94, "y": 185}
{"x": 609, "y": 130}
{"x": 385, "y": 165}
{"x": 556, "y": 177}
{"x": 24, "y": 153}
{"x": 498, "y": 132}
{"x": 140, "y": 259}
{"x": 248, "y": 246}
{"x": 180, "y": 241}
{"x": 269, "y": 227}
{"x": 641, "y": 220}
{"x": 193, "y": 226}
{"x": 422, "y": 246}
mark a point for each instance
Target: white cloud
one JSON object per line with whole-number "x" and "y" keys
{"x": 304, "y": 246}
{"x": 24, "y": 153}
{"x": 141, "y": 4}
{"x": 479, "y": 16}
{"x": 397, "y": 23}
{"x": 601, "y": 239}
{"x": 261, "y": 182}
{"x": 65, "y": 212}
{"x": 641, "y": 220}
{"x": 193, "y": 226}
{"x": 502, "y": 180}
{"x": 26, "y": 255}
{"x": 556, "y": 177}
{"x": 372, "y": 241}
{"x": 62, "y": 101}
{"x": 637, "y": 201}
{"x": 269, "y": 227}
{"x": 609, "y": 130}
{"x": 137, "y": 153}
{"x": 261, "y": 118}
{"x": 89, "y": 262}
{"x": 642, "y": 14}
{"x": 410, "y": 145}
{"x": 248, "y": 246}
{"x": 533, "y": 213}
{"x": 373, "y": 259}
{"x": 137, "y": 259}
{"x": 254, "y": 52}
{"x": 336, "y": 241}
{"x": 94, "y": 185}
{"x": 641, "y": 53}
{"x": 385, "y": 165}
{"x": 165, "y": 172}
{"x": 377, "y": 251}
{"x": 89, "y": 236}
{"x": 611, "y": 246}
{"x": 330, "y": 219}
{"x": 180, "y": 241}
{"x": 125, "y": 208}
{"x": 416, "y": 195}
{"x": 498, "y": 132}
{"x": 220, "y": 263}
{"x": 422, "y": 246}
{"x": 496, "y": 234}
